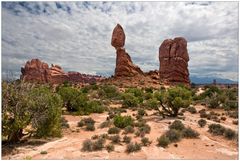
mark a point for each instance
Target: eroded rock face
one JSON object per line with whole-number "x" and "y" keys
{"x": 36, "y": 71}
{"x": 173, "y": 57}
{"x": 118, "y": 37}
{"x": 124, "y": 64}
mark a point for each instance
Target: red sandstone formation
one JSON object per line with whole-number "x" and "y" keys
{"x": 173, "y": 57}
{"x": 124, "y": 64}
{"x": 36, "y": 71}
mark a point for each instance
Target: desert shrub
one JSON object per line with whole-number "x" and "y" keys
{"x": 109, "y": 91}
{"x": 47, "y": 112}
{"x": 148, "y": 96}
{"x": 115, "y": 139}
{"x": 98, "y": 144}
{"x": 113, "y": 130}
{"x": 177, "y": 125}
{"x": 88, "y": 123}
{"x": 203, "y": 114}
{"x": 129, "y": 100}
{"x": 210, "y": 91}
{"x": 94, "y": 107}
{"x": 173, "y": 135}
{"x": 152, "y": 103}
{"x": 135, "y": 91}
{"x": 105, "y": 124}
{"x": 173, "y": 99}
{"x": 229, "y": 134}
{"x": 64, "y": 123}
{"x": 133, "y": 147}
{"x": 192, "y": 110}
{"x": 87, "y": 145}
{"x": 230, "y": 105}
{"x": 216, "y": 129}
{"x": 140, "y": 123}
{"x": 145, "y": 141}
{"x": 213, "y": 101}
{"x": 139, "y": 134}
{"x": 189, "y": 133}
{"x": 129, "y": 129}
{"x": 202, "y": 122}
{"x": 223, "y": 118}
{"x": 90, "y": 127}
{"x": 127, "y": 139}
{"x": 110, "y": 147}
{"x": 69, "y": 96}
{"x": 145, "y": 129}
{"x": 87, "y": 120}
{"x": 43, "y": 152}
{"x": 16, "y": 115}
{"x": 122, "y": 121}
{"x": 141, "y": 112}
{"x": 163, "y": 141}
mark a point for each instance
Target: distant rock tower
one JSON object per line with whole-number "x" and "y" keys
{"x": 173, "y": 57}
{"x": 124, "y": 64}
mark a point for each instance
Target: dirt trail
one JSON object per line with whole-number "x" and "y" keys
{"x": 69, "y": 146}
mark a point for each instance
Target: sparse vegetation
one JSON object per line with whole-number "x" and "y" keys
{"x": 110, "y": 147}
{"x": 163, "y": 141}
{"x": 216, "y": 129}
{"x": 113, "y": 130}
{"x": 145, "y": 141}
{"x": 189, "y": 133}
{"x": 133, "y": 147}
{"x": 177, "y": 125}
{"x": 115, "y": 139}
{"x": 229, "y": 134}
{"x": 127, "y": 139}
{"x": 173, "y": 135}
{"x": 129, "y": 129}
{"x": 202, "y": 122}
{"x": 105, "y": 124}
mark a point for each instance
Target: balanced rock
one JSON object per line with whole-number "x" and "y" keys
{"x": 173, "y": 57}
{"x": 118, "y": 37}
{"x": 124, "y": 64}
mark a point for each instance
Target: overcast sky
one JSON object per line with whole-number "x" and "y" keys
{"x": 77, "y": 35}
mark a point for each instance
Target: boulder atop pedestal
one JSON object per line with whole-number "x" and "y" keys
{"x": 118, "y": 37}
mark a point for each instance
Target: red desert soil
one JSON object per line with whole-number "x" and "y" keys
{"x": 69, "y": 146}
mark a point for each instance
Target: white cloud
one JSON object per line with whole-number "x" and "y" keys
{"x": 77, "y": 36}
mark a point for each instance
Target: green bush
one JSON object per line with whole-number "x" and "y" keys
{"x": 133, "y": 147}
{"x": 163, "y": 141}
{"x": 152, "y": 103}
{"x": 129, "y": 129}
{"x": 148, "y": 96}
{"x": 173, "y": 99}
{"x": 229, "y": 134}
{"x": 189, "y": 133}
{"x": 129, "y": 100}
{"x": 113, "y": 130}
{"x": 135, "y": 91}
{"x": 202, "y": 122}
{"x": 127, "y": 139}
{"x": 47, "y": 108}
{"x": 69, "y": 96}
{"x": 216, "y": 129}
{"x": 145, "y": 129}
{"x": 177, "y": 125}
{"x": 94, "y": 107}
{"x": 110, "y": 147}
{"x": 108, "y": 91}
{"x": 173, "y": 135}
{"x": 141, "y": 112}
{"x": 122, "y": 121}
{"x": 145, "y": 141}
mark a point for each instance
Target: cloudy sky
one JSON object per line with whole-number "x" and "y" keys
{"x": 77, "y": 35}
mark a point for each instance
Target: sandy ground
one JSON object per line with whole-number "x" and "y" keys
{"x": 69, "y": 146}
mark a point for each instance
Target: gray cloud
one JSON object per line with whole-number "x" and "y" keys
{"x": 77, "y": 35}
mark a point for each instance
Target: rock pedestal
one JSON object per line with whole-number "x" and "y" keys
{"x": 124, "y": 64}
{"x": 173, "y": 57}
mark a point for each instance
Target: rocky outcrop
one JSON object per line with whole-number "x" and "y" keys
{"x": 36, "y": 71}
{"x": 124, "y": 64}
{"x": 173, "y": 57}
